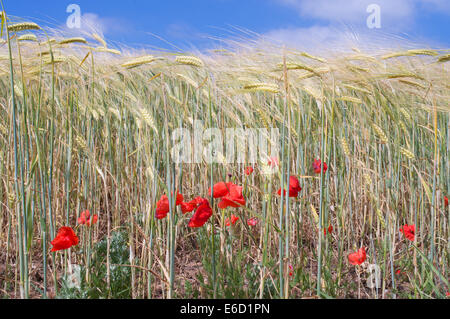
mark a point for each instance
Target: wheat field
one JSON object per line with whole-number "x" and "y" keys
{"x": 85, "y": 126}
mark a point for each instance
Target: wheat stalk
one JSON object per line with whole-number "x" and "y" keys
{"x": 350, "y": 99}
{"x": 409, "y": 53}
{"x": 73, "y": 40}
{"x": 380, "y": 133}
{"x": 138, "y": 61}
{"x": 99, "y": 39}
{"x": 407, "y": 153}
{"x": 23, "y": 26}
{"x": 189, "y": 60}
{"x": 444, "y": 58}
{"x": 107, "y": 50}
{"x": 27, "y": 37}
{"x": 345, "y": 146}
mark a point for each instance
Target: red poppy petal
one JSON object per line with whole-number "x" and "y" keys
{"x": 188, "y": 207}
{"x": 65, "y": 238}
{"x": 219, "y": 190}
{"x": 252, "y": 221}
{"x": 201, "y": 215}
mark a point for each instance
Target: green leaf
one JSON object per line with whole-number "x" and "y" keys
{"x": 429, "y": 263}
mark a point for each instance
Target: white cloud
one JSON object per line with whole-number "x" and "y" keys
{"x": 394, "y": 12}
{"x": 312, "y": 37}
{"x": 320, "y": 39}
{"x": 93, "y": 23}
{"x": 341, "y": 24}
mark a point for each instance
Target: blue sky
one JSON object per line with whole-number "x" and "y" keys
{"x": 307, "y": 23}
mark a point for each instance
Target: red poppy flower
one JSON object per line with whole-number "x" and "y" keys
{"x": 65, "y": 238}
{"x": 399, "y": 272}
{"x": 234, "y": 219}
{"x": 230, "y": 193}
{"x": 220, "y": 189}
{"x": 248, "y": 170}
{"x": 199, "y": 200}
{"x": 252, "y": 221}
{"x": 357, "y": 258}
{"x": 446, "y": 200}
{"x": 330, "y": 230}
{"x": 82, "y": 218}
{"x": 291, "y": 270}
{"x": 202, "y": 214}
{"x": 233, "y": 198}
{"x": 408, "y": 231}
{"x": 447, "y": 294}
{"x": 179, "y": 199}
{"x": 85, "y": 218}
{"x": 162, "y": 206}
{"x": 317, "y": 164}
{"x": 188, "y": 207}
{"x": 294, "y": 187}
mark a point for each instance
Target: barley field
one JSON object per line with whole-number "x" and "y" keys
{"x": 88, "y": 180}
